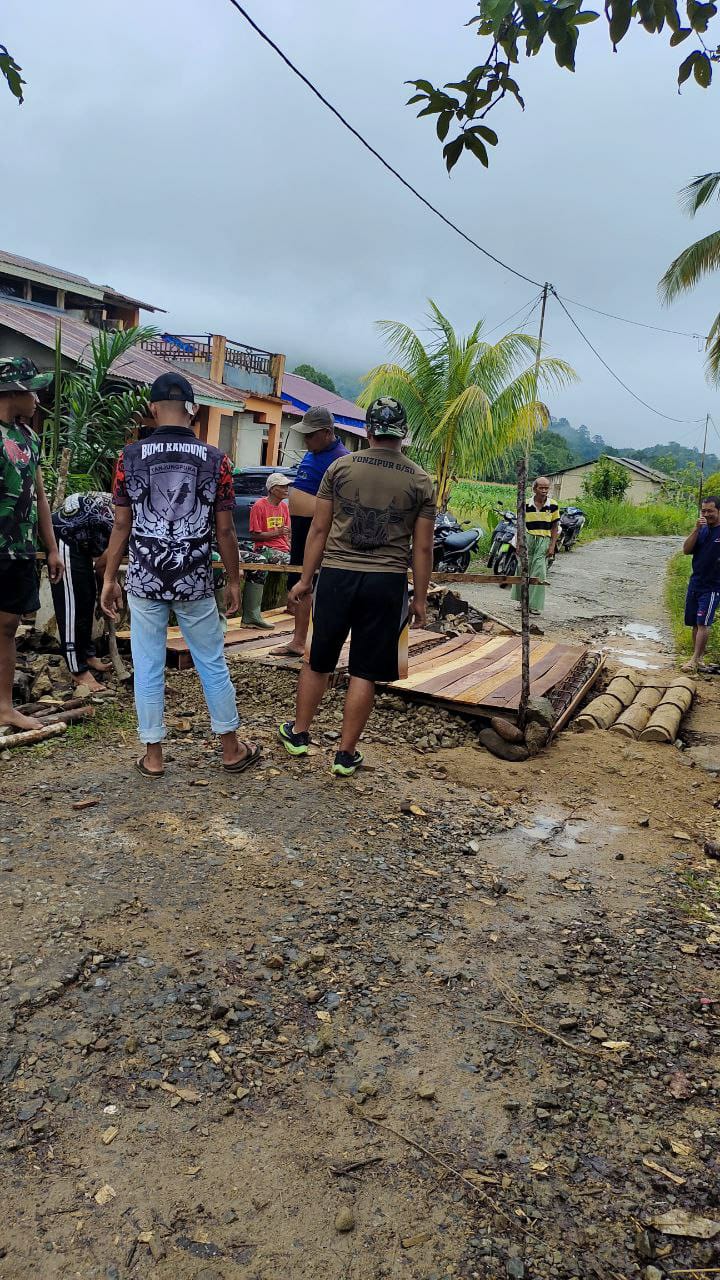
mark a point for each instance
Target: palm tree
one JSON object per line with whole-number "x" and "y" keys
{"x": 94, "y": 411}
{"x": 698, "y": 260}
{"x": 469, "y": 402}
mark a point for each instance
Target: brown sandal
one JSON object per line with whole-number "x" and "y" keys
{"x": 148, "y": 773}
{"x": 253, "y": 755}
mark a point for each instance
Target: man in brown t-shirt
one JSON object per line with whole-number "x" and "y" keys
{"x": 370, "y": 507}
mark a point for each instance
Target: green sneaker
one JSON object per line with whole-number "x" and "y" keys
{"x": 345, "y": 764}
{"x": 296, "y": 744}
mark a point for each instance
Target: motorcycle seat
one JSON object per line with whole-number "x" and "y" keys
{"x": 460, "y": 541}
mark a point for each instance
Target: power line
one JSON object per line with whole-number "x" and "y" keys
{"x": 612, "y": 372}
{"x": 640, "y": 324}
{"x": 428, "y": 204}
{"x": 530, "y": 307}
{"x": 368, "y": 147}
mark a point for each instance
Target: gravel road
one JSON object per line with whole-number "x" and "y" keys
{"x": 598, "y": 587}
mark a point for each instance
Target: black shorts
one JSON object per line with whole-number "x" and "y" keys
{"x": 299, "y": 530}
{"x": 372, "y": 608}
{"x": 19, "y": 586}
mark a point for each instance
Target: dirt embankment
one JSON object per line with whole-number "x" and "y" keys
{"x": 462, "y": 1008}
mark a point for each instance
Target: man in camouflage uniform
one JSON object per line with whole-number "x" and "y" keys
{"x": 24, "y": 510}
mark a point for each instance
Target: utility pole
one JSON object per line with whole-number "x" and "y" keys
{"x": 522, "y": 470}
{"x": 702, "y": 464}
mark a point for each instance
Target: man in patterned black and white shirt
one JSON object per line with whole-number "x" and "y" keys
{"x": 170, "y": 491}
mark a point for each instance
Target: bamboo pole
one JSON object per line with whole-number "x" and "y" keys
{"x": 522, "y": 470}
{"x": 30, "y": 736}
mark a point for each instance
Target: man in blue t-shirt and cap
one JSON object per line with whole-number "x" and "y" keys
{"x": 323, "y": 448}
{"x": 703, "y": 593}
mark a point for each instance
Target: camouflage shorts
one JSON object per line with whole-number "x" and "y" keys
{"x": 268, "y": 555}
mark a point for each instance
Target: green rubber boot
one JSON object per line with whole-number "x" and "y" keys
{"x": 251, "y": 606}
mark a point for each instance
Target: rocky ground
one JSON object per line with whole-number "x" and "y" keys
{"x": 453, "y": 1017}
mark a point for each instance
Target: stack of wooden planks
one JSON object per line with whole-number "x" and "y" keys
{"x": 647, "y": 706}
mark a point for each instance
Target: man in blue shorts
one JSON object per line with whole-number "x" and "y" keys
{"x": 703, "y": 594}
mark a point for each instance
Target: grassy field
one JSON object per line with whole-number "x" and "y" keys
{"x": 675, "y": 587}
{"x": 611, "y": 519}
{"x": 472, "y": 501}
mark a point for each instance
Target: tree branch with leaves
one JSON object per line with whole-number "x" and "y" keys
{"x": 511, "y": 29}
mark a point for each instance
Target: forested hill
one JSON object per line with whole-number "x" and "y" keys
{"x": 666, "y": 457}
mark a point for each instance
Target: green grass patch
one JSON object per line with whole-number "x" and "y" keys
{"x": 470, "y": 500}
{"x": 679, "y": 570}
{"x": 611, "y": 518}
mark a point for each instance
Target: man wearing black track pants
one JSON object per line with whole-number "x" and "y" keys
{"x": 82, "y": 525}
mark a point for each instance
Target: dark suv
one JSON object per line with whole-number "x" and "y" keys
{"x": 249, "y": 485}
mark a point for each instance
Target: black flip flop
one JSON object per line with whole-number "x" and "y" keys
{"x": 252, "y": 757}
{"x": 148, "y": 773}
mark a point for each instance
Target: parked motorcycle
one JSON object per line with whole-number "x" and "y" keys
{"x": 572, "y": 522}
{"x": 453, "y": 545}
{"x": 502, "y": 558}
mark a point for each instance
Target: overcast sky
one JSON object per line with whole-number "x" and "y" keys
{"x": 164, "y": 149}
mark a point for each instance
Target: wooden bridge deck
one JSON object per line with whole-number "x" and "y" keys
{"x": 474, "y": 673}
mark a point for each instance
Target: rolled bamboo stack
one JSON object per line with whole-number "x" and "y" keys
{"x": 664, "y": 722}
{"x": 603, "y": 711}
{"x": 635, "y": 717}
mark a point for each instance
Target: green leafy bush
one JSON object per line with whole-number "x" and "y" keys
{"x": 606, "y": 481}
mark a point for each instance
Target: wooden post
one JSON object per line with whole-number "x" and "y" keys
{"x": 522, "y": 470}
{"x": 277, "y": 372}
{"x": 218, "y": 346}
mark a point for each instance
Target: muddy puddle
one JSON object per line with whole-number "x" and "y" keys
{"x": 639, "y": 645}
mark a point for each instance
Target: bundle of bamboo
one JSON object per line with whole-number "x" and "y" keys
{"x": 664, "y": 723}
{"x": 604, "y": 710}
{"x": 646, "y": 707}
{"x": 634, "y": 719}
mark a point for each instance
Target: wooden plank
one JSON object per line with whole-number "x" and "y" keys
{"x": 557, "y": 673}
{"x": 438, "y": 652}
{"x": 486, "y": 692}
{"x": 540, "y": 666}
{"x": 456, "y": 659}
{"x": 479, "y": 669}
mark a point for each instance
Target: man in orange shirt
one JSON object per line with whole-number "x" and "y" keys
{"x": 270, "y": 532}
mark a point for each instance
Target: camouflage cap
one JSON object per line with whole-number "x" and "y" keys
{"x": 19, "y": 373}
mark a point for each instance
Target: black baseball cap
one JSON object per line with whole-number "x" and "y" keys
{"x": 171, "y": 386}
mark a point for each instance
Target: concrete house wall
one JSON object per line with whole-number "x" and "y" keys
{"x": 567, "y": 486}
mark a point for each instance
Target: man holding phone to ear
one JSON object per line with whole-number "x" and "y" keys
{"x": 703, "y": 593}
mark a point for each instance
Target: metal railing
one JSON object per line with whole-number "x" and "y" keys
{"x": 197, "y": 349}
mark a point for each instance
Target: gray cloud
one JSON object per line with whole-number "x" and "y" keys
{"x": 163, "y": 149}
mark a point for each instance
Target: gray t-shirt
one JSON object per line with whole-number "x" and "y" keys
{"x": 377, "y": 495}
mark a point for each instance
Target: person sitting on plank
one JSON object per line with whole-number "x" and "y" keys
{"x": 24, "y": 510}
{"x": 270, "y": 532}
{"x": 370, "y": 506}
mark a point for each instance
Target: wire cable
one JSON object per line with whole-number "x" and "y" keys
{"x": 368, "y": 147}
{"x": 640, "y": 324}
{"x": 428, "y": 204}
{"x": 527, "y": 307}
{"x": 612, "y": 372}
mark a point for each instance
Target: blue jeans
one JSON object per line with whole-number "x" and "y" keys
{"x": 200, "y": 626}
